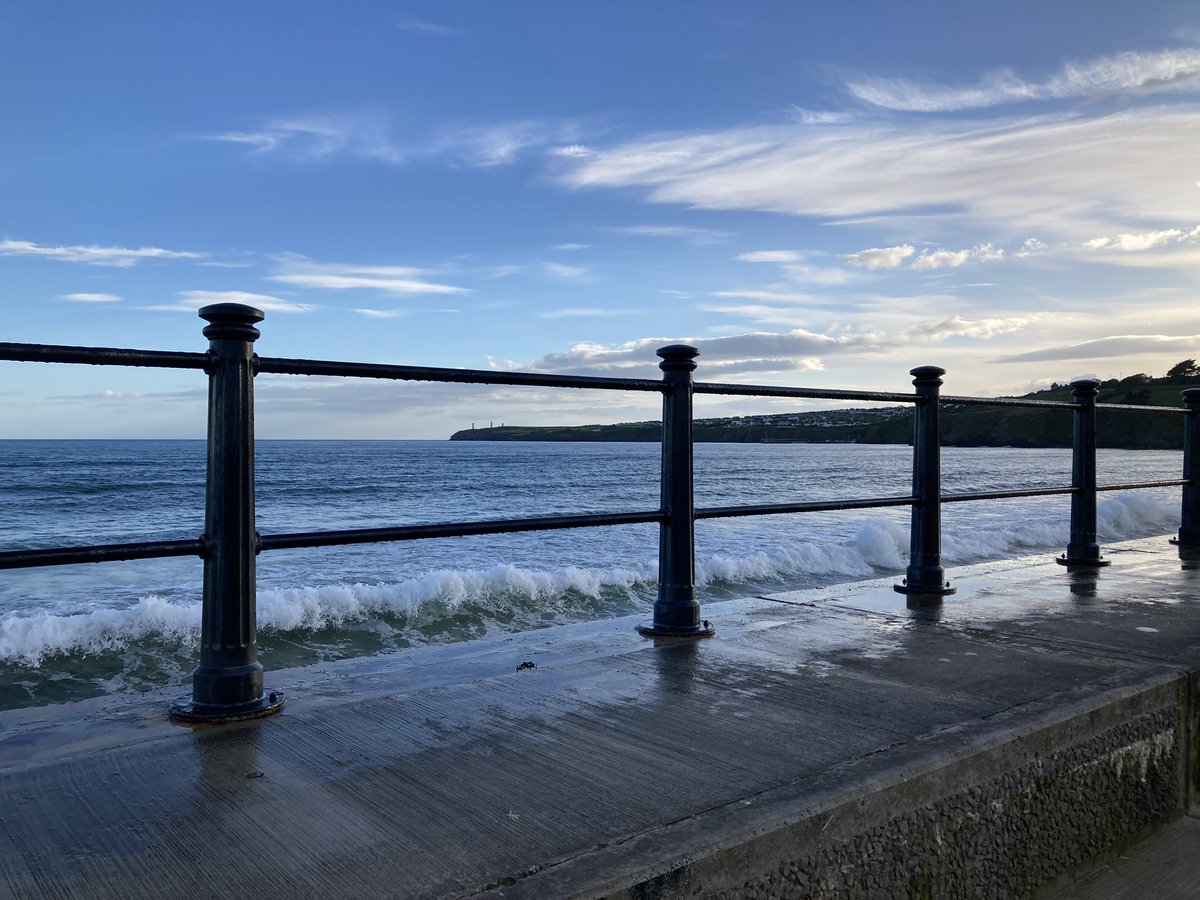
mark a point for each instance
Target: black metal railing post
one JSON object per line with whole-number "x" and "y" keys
{"x": 228, "y": 683}
{"x": 1082, "y": 548}
{"x": 925, "y": 575}
{"x": 1189, "y": 513}
{"x": 676, "y": 611}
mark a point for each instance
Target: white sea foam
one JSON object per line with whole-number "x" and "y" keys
{"x": 29, "y": 639}
{"x": 879, "y": 546}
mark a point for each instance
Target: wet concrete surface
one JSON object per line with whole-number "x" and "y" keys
{"x": 447, "y": 771}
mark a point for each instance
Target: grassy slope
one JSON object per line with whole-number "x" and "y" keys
{"x": 962, "y": 426}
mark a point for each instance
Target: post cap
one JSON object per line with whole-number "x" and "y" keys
{"x": 1085, "y": 387}
{"x": 232, "y": 320}
{"x": 927, "y": 375}
{"x": 1191, "y": 395}
{"x": 678, "y": 357}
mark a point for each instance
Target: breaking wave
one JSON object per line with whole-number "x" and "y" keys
{"x": 342, "y": 619}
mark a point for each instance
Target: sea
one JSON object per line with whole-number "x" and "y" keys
{"x": 70, "y": 632}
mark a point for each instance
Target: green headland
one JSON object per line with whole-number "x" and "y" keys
{"x": 962, "y": 425}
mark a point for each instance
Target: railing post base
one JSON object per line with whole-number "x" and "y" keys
{"x": 185, "y": 710}
{"x": 1094, "y": 562}
{"x": 657, "y": 629}
{"x": 943, "y": 590}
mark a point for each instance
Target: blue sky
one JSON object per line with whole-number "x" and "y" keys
{"x": 814, "y": 194}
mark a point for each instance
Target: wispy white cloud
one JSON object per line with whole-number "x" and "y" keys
{"x": 562, "y": 270}
{"x": 190, "y": 301}
{"x": 980, "y": 329}
{"x": 121, "y": 257}
{"x": 1132, "y": 243}
{"x": 1068, "y": 177}
{"x": 687, "y": 233}
{"x": 419, "y": 26}
{"x": 759, "y": 351}
{"x": 571, "y": 151}
{"x": 769, "y": 256}
{"x": 316, "y": 137}
{"x": 952, "y": 259}
{"x": 569, "y": 247}
{"x": 880, "y": 257}
{"x": 771, "y": 296}
{"x": 340, "y": 277}
{"x": 323, "y": 137}
{"x": 506, "y": 270}
{"x": 584, "y": 312}
{"x": 1107, "y": 347}
{"x": 1116, "y": 74}
{"x": 820, "y": 117}
{"x": 91, "y": 298}
{"x": 382, "y": 313}
{"x": 498, "y": 143}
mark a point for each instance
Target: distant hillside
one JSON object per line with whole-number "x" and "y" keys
{"x": 962, "y": 426}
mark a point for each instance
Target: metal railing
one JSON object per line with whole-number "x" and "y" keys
{"x": 228, "y": 682}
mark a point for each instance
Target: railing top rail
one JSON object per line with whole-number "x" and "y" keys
{"x": 1138, "y": 408}
{"x": 102, "y": 356}
{"x": 762, "y": 390}
{"x": 950, "y": 400}
{"x": 281, "y": 366}
{"x": 167, "y": 359}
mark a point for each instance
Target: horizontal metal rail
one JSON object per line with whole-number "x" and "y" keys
{"x": 762, "y": 390}
{"x": 967, "y": 496}
{"x": 452, "y": 529}
{"x": 1134, "y": 485}
{"x": 1133, "y": 407}
{"x": 278, "y": 366}
{"x": 772, "y": 509}
{"x": 949, "y": 400}
{"x": 66, "y": 556}
{"x": 62, "y": 556}
{"x": 103, "y": 356}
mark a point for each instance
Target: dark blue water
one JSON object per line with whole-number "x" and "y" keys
{"x": 75, "y": 631}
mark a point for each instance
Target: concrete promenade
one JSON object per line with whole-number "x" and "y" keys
{"x": 826, "y": 743}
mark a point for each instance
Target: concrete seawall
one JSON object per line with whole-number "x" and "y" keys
{"x": 828, "y": 743}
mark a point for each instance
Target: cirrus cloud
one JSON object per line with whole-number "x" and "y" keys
{"x": 92, "y": 254}
{"x": 1119, "y": 73}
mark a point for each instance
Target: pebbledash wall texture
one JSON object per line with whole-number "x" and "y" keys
{"x": 1007, "y": 831}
